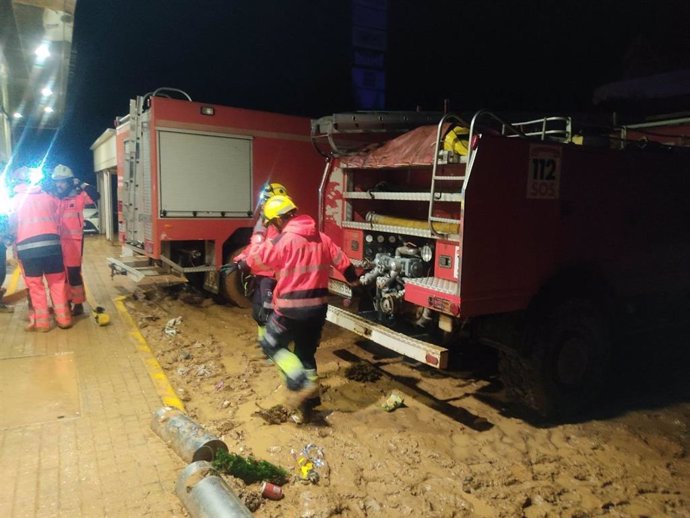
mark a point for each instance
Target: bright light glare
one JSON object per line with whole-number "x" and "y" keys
{"x": 46, "y": 91}
{"x": 17, "y": 115}
{"x": 36, "y": 175}
{"x": 48, "y": 109}
{"x": 42, "y": 51}
{"x": 4, "y": 194}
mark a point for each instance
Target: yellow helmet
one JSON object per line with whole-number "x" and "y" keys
{"x": 271, "y": 189}
{"x": 277, "y": 206}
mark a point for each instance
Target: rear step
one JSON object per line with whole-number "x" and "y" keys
{"x": 423, "y": 352}
{"x": 138, "y": 270}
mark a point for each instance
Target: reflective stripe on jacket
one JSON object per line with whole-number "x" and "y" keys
{"x": 36, "y": 223}
{"x": 301, "y": 257}
{"x": 36, "y": 214}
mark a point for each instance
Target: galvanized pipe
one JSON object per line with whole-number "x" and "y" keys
{"x": 189, "y": 440}
{"x": 206, "y": 495}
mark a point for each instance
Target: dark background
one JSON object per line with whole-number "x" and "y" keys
{"x": 295, "y": 56}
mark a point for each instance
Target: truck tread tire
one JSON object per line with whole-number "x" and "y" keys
{"x": 232, "y": 285}
{"x": 569, "y": 356}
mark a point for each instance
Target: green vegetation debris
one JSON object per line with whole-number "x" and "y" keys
{"x": 362, "y": 372}
{"x": 248, "y": 469}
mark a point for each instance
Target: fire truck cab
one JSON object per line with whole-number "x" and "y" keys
{"x": 510, "y": 233}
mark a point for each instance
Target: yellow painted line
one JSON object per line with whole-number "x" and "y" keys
{"x": 154, "y": 369}
{"x": 14, "y": 281}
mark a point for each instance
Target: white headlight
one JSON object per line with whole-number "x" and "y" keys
{"x": 427, "y": 253}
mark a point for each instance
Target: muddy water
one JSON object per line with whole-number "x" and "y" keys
{"x": 453, "y": 449}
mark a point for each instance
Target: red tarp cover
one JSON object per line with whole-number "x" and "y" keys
{"x": 414, "y": 148}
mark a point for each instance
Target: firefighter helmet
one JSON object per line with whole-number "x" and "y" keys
{"x": 271, "y": 189}
{"x": 61, "y": 172}
{"x": 19, "y": 175}
{"x": 277, "y": 206}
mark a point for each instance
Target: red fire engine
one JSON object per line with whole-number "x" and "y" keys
{"x": 189, "y": 175}
{"x": 509, "y": 233}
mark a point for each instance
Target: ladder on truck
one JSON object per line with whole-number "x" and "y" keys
{"x": 557, "y": 129}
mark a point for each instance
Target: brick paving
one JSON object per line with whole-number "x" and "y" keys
{"x": 103, "y": 460}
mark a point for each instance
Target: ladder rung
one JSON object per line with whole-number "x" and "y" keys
{"x": 450, "y": 178}
{"x": 444, "y": 220}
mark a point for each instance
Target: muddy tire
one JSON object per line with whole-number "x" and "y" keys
{"x": 564, "y": 373}
{"x": 232, "y": 287}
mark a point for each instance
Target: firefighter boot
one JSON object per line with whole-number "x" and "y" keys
{"x": 304, "y": 411}
{"x": 77, "y": 309}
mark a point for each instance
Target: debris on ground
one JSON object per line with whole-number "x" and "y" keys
{"x": 196, "y": 299}
{"x": 251, "y": 499}
{"x": 394, "y": 400}
{"x": 311, "y": 464}
{"x": 171, "y": 326}
{"x": 248, "y": 469}
{"x": 363, "y": 372}
{"x": 277, "y": 414}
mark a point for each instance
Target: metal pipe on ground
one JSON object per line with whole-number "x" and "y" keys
{"x": 189, "y": 440}
{"x": 205, "y": 495}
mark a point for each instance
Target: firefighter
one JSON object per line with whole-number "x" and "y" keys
{"x": 73, "y": 195}
{"x": 265, "y": 281}
{"x": 34, "y": 224}
{"x": 301, "y": 256}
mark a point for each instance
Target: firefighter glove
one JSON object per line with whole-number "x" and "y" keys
{"x": 229, "y": 268}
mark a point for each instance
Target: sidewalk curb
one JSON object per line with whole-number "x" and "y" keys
{"x": 153, "y": 368}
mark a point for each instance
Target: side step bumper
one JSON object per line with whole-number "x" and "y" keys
{"x": 138, "y": 270}
{"x": 411, "y": 347}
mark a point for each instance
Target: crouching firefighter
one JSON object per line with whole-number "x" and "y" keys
{"x": 301, "y": 256}
{"x": 73, "y": 195}
{"x": 35, "y": 225}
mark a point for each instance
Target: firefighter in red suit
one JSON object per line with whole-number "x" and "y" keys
{"x": 35, "y": 223}
{"x": 265, "y": 280}
{"x": 74, "y": 195}
{"x": 301, "y": 256}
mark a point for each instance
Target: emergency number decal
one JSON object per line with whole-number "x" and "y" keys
{"x": 543, "y": 180}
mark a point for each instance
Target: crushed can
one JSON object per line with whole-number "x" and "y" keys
{"x": 271, "y": 491}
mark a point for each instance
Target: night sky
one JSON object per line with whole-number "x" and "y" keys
{"x": 295, "y": 56}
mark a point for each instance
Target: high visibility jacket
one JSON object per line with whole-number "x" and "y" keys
{"x": 260, "y": 235}
{"x": 72, "y": 223}
{"x": 36, "y": 224}
{"x": 72, "y": 214}
{"x": 301, "y": 256}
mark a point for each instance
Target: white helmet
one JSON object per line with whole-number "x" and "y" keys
{"x": 62, "y": 172}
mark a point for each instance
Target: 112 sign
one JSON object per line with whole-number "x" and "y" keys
{"x": 543, "y": 179}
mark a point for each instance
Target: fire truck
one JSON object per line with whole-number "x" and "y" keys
{"x": 523, "y": 236}
{"x": 189, "y": 176}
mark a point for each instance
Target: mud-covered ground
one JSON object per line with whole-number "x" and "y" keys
{"x": 453, "y": 449}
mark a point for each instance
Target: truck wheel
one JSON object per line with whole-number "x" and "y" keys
{"x": 232, "y": 286}
{"x": 569, "y": 356}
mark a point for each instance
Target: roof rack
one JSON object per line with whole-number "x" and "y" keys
{"x": 346, "y": 133}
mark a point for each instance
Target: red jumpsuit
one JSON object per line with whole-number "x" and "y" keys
{"x": 39, "y": 252}
{"x": 72, "y": 240}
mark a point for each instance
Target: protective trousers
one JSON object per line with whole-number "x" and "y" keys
{"x": 299, "y": 368}
{"x": 50, "y": 267}
{"x": 262, "y": 302}
{"x": 72, "y": 251}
